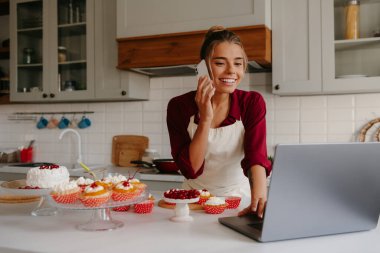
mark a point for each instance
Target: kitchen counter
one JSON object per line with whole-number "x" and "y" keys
{"x": 21, "y": 232}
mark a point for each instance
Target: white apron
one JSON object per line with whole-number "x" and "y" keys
{"x": 222, "y": 174}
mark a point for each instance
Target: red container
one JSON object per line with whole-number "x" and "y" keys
{"x": 27, "y": 155}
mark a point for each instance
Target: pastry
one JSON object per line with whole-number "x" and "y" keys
{"x": 66, "y": 193}
{"x": 145, "y": 206}
{"x": 214, "y": 205}
{"x": 47, "y": 176}
{"x": 95, "y": 195}
{"x": 123, "y": 191}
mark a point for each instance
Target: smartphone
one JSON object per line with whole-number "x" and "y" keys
{"x": 202, "y": 70}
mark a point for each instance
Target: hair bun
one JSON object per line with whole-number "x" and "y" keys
{"x": 213, "y": 29}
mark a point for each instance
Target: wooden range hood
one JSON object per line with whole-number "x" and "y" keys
{"x": 177, "y": 49}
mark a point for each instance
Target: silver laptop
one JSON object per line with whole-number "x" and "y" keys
{"x": 318, "y": 189}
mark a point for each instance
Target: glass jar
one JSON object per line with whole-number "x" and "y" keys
{"x": 28, "y": 55}
{"x": 62, "y": 54}
{"x": 352, "y": 19}
{"x": 149, "y": 155}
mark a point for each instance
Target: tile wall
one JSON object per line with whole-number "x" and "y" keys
{"x": 291, "y": 119}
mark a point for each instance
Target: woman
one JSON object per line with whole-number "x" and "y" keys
{"x": 217, "y": 129}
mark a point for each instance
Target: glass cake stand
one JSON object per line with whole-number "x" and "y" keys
{"x": 101, "y": 219}
{"x": 43, "y": 208}
{"x": 181, "y": 210}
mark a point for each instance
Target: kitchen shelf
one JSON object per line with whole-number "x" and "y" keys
{"x": 4, "y": 52}
{"x": 351, "y": 44}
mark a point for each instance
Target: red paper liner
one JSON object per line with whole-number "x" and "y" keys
{"x": 118, "y": 196}
{"x": 66, "y": 198}
{"x": 121, "y": 208}
{"x": 144, "y": 207}
{"x": 214, "y": 209}
{"x": 202, "y": 200}
{"x": 95, "y": 201}
{"x": 232, "y": 202}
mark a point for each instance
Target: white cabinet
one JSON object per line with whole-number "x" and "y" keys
{"x": 65, "y": 50}
{"x": 296, "y": 46}
{"x": 310, "y": 55}
{"x": 146, "y": 17}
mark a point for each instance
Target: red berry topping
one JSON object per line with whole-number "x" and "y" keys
{"x": 49, "y": 167}
{"x": 94, "y": 185}
{"x": 126, "y": 184}
{"x": 181, "y": 194}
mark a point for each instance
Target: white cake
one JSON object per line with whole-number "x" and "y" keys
{"x": 47, "y": 176}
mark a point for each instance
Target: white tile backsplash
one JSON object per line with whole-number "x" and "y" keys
{"x": 294, "y": 119}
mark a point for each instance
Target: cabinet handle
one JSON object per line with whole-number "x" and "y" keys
{"x": 123, "y": 93}
{"x": 52, "y": 95}
{"x": 277, "y": 87}
{"x": 44, "y": 95}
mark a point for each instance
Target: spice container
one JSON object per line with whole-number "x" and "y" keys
{"x": 28, "y": 55}
{"x": 352, "y": 19}
{"x": 62, "y": 54}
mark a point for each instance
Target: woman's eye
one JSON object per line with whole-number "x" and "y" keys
{"x": 219, "y": 63}
{"x": 238, "y": 63}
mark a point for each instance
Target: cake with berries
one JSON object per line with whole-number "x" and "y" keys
{"x": 204, "y": 195}
{"x": 47, "y": 176}
{"x": 95, "y": 195}
{"x": 215, "y": 205}
{"x": 66, "y": 193}
{"x": 145, "y": 206}
{"x": 124, "y": 191}
{"x": 178, "y": 195}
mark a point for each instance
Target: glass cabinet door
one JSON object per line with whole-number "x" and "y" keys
{"x": 29, "y": 59}
{"x": 71, "y": 58}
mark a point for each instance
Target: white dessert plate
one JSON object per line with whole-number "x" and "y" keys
{"x": 13, "y": 187}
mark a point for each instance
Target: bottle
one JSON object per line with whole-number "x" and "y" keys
{"x": 352, "y": 19}
{"x": 149, "y": 155}
{"x": 71, "y": 12}
{"x": 28, "y": 55}
{"x": 61, "y": 54}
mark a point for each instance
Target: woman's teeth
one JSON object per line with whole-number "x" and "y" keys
{"x": 227, "y": 80}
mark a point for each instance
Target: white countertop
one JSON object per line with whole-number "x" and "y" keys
{"x": 21, "y": 232}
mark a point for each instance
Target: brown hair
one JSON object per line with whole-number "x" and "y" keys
{"x": 216, "y": 35}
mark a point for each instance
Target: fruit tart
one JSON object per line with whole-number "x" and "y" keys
{"x": 181, "y": 194}
{"x": 95, "y": 195}
{"x": 124, "y": 191}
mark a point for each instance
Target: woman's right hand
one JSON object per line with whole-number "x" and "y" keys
{"x": 205, "y": 91}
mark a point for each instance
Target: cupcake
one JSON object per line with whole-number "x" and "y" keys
{"x": 121, "y": 208}
{"x": 137, "y": 184}
{"x": 66, "y": 193}
{"x": 145, "y": 206}
{"x": 113, "y": 179}
{"x": 123, "y": 191}
{"x": 233, "y": 202}
{"x": 105, "y": 182}
{"x": 215, "y": 205}
{"x": 94, "y": 195}
{"x": 203, "y": 196}
{"x": 84, "y": 182}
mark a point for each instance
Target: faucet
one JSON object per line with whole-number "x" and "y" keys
{"x": 79, "y": 160}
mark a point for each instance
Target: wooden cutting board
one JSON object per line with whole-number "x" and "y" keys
{"x": 126, "y": 148}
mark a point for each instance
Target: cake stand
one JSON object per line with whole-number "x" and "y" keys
{"x": 101, "y": 218}
{"x": 181, "y": 210}
{"x": 43, "y": 208}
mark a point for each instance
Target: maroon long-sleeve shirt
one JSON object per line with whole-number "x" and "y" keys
{"x": 247, "y": 106}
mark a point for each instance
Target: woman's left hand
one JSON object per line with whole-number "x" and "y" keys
{"x": 257, "y": 179}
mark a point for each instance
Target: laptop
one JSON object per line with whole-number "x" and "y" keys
{"x": 315, "y": 190}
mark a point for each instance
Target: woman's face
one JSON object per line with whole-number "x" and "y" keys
{"x": 227, "y": 67}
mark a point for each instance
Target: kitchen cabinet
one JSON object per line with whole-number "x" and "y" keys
{"x": 60, "y": 53}
{"x": 173, "y": 16}
{"x": 311, "y": 55}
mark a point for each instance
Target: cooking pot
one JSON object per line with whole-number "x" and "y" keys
{"x": 163, "y": 165}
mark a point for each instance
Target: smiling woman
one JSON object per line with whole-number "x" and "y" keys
{"x": 218, "y": 133}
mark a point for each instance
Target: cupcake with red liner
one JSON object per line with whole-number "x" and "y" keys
{"x": 95, "y": 195}
{"x": 112, "y": 180}
{"x": 66, "y": 193}
{"x": 215, "y": 205}
{"x": 124, "y": 191}
{"x": 105, "y": 182}
{"x": 204, "y": 195}
{"x": 145, "y": 206}
{"x": 233, "y": 202}
{"x": 137, "y": 184}
{"x": 83, "y": 182}
{"x": 121, "y": 208}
